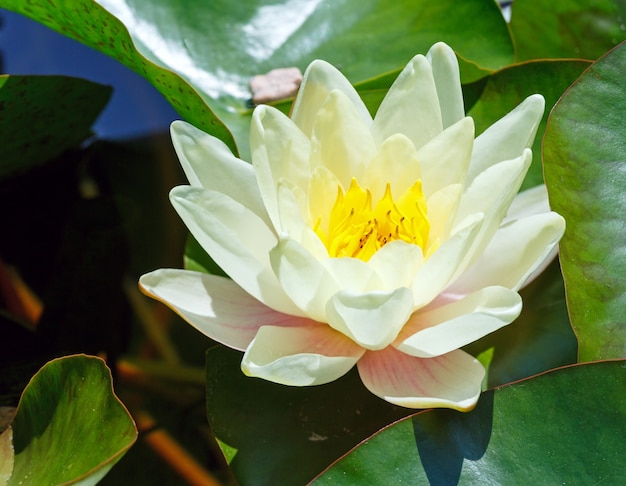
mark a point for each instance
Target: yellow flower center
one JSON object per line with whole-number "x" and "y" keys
{"x": 357, "y": 230}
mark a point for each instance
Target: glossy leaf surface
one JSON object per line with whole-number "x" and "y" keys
{"x": 69, "y": 428}
{"x": 525, "y": 433}
{"x": 585, "y": 168}
{"x": 567, "y": 28}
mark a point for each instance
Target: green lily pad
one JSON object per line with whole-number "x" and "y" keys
{"x": 42, "y": 116}
{"x": 89, "y": 23}
{"x": 501, "y": 91}
{"x": 585, "y": 170}
{"x": 70, "y": 427}
{"x": 525, "y": 433}
{"x": 218, "y": 46}
{"x": 567, "y": 28}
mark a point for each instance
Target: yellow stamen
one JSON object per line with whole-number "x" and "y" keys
{"x": 357, "y": 230}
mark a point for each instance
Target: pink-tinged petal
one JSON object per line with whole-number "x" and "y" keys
{"x": 279, "y": 151}
{"x": 300, "y": 356}
{"x": 374, "y": 319}
{"x": 215, "y": 306}
{"x": 209, "y": 163}
{"x": 445, "y": 159}
{"x": 411, "y": 106}
{"x": 438, "y": 331}
{"x": 508, "y": 137}
{"x": 303, "y": 277}
{"x": 237, "y": 239}
{"x": 452, "y": 380}
{"x": 514, "y": 253}
{"x": 341, "y": 140}
{"x": 437, "y": 271}
{"x": 448, "y": 82}
{"x": 319, "y": 80}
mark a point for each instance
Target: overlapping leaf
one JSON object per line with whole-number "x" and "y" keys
{"x": 525, "y": 433}
{"x": 69, "y": 428}
{"x": 41, "y": 116}
{"x": 585, "y": 169}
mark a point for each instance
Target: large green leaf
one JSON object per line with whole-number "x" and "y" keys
{"x": 69, "y": 428}
{"x": 217, "y": 46}
{"x": 42, "y": 116}
{"x": 585, "y": 169}
{"x": 564, "y": 427}
{"x": 275, "y": 434}
{"x": 89, "y": 23}
{"x": 500, "y": 92}
{"x": 567, "y": 28}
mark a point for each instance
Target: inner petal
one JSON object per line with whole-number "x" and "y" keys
{"x": 357, "y": 228}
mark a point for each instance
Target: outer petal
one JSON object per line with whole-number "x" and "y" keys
{"x": 319, "y": 80}
{"x": 341, "y": 140}
{"x": 449, "y": 327}
{"x": 528, "y": 203}
{"x": 237, "y": 239}
{"x": 300, "y": 356}
{"x": 279, "y": 150}
{"x": 516, "y": 250}
{"x": 508, "y": 137}
{"x": 209, "y": 163}
{"x": 411, "y": 106}
{"x": 374, "y": 319}
{"x": 448, "y": 82}
{"x": 215, "y": 306}
{"x": 452, "y": 380}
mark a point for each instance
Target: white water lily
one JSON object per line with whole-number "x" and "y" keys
{"x": 382, "y": 243}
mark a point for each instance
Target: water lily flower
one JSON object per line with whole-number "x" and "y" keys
{"x": 386, "y": 243}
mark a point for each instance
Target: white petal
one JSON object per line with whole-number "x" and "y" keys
{"x": 448, "y": 82}
{"x": 279, "y": 150}
{"x": 373, "y": 319}
{"x": 437, "y": 271}
{"x": 353, "y": 274}
{"x": 323, "y": 190}
{"x": 215, "y": 306}
{"x": 300, "y": 356}
{"x": 516, "y": 250}
{"x": 411, "y": 106}
{"x": 236, "y": 238}
{"x": 209, "y": 163}
{"x": 442, "y": 208}
{"x": 319, "y": 80}
{"x": 438, "y": 331}
{"x": 492, "y": 193}
{"x": 341, "y": 140}
{"x": 529, "y": 202}
{"x": 396, "y": 163}
{"x": 396, "y": 263}
{"x": 303, "y": 277}
{"x": 452, "y": 380}
{"x": 445, "y": 159}
{"x": 508, "y": 137}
